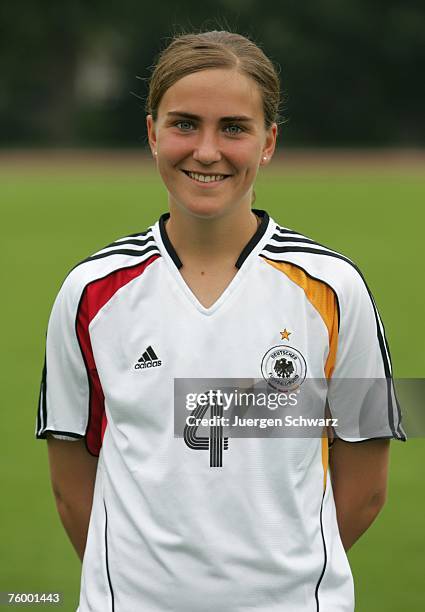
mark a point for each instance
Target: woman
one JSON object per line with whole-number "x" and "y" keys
{"x": 213, "y": 290}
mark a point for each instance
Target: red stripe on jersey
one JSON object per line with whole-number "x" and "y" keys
{"x": 95, "y": 295}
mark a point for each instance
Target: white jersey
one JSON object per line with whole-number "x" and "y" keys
{"x": 174, "y": 527}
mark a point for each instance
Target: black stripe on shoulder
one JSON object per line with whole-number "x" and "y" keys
{"x": 279, "y": 238}
{"x": 285, "y": 230}
{"x": 312, "y": 277}
{"x": 133, "y": 253}
{"x": 299, "y": 249}
{"x": 134, "y": 241}
{"x": 300, "y": 238}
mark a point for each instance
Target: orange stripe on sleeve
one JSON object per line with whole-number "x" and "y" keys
{"x": 325, "y": 458}
{"x": 322, "y": 297}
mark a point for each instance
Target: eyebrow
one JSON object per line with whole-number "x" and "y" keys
{"x": 197, "y": 118}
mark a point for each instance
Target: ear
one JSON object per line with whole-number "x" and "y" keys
{"x": 150, "y": 124}
{"x": 269, "y": 145}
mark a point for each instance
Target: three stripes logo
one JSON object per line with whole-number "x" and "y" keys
{"x": 149, "y": 359}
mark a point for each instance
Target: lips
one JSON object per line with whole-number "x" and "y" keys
{"x": 203, "y": 178}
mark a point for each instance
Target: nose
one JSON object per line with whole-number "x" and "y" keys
{"x": 207, "y": 150}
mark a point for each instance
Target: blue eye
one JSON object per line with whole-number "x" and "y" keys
{"x": 183, "y": 123}
{"x": 232, "y": 132}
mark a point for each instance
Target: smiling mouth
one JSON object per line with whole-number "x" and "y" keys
{"x": 206, "y": 178}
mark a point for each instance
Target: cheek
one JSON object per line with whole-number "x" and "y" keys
{"x": 175, "y": 148}
{"x": 243, "y": 155}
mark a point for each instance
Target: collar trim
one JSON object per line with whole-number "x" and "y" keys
{"x": 249, "y": 247}
{"x": 167, "y": 242}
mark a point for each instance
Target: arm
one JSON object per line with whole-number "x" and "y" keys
{"x": 73, "y": 474}
{"x": 359, "y": 474}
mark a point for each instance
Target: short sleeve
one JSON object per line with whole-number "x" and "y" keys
{"x": 63, "y": 408}
{"x": 361, "y": 393}
{"x": 71, "y": 401}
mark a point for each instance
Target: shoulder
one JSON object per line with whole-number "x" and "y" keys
{"x": 126, "y": 257}
{"x": 316, "y": 260}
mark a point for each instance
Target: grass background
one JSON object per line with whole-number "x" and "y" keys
{"x": 52, "y": 217}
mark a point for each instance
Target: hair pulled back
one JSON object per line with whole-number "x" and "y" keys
{"x": 189, "y": 53}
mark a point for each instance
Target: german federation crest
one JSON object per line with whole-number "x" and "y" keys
{"x": 284, "y": 368}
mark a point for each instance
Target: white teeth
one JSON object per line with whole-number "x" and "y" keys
{"x": 203, "y": 178}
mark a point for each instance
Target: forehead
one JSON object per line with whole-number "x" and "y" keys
{"x": 214, "y": 93}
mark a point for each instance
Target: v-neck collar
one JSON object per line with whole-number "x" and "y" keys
{"x": 248, "y": 248}
{"x": 174, "y": 263}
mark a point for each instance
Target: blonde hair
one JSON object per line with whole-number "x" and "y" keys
{"x": 189, "y": 53}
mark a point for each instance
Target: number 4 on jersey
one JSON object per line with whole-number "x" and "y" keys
{"x": 215, "y": 442}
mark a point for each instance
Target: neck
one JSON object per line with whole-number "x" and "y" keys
{"x": 210, "y": 241}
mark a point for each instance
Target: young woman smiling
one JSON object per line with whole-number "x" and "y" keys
{"x": 197, "y": 138}
{"x": 214, "y": 289}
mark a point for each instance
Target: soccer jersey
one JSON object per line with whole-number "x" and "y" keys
{"x": 175, "y": 527}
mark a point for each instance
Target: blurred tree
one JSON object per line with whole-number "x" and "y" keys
{"x": 351, "y": 71}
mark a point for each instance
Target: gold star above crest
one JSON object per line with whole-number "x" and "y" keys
{"x": 285, "y": 334}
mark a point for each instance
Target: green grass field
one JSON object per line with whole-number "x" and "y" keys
{"x": 52, "y": 220}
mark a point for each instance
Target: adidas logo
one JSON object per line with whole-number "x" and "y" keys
{"x": 148, "y": 360}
